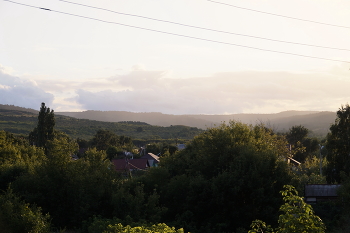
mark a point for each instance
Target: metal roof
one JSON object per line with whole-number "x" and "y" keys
{"x": 321, "y": 190}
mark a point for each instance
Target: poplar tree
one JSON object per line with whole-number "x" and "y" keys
{"x": 45, "y": 128}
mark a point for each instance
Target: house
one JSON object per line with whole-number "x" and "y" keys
{"x": 153, "y": 159}
{"x": 123, "y": 165}
{"x": 320, "y": 192}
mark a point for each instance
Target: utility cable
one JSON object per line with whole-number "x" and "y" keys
{"x": 181, "y": 35}
{"x": 284, "y": 16}
{"x": 203, "y": 28}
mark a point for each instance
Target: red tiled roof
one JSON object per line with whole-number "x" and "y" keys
{"x": 130, "y": 164}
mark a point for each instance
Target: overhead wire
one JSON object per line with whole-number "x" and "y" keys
{"x": 179, "y": 35}
{"x": 278, "y": 15}
{"x": 203, "y": 28}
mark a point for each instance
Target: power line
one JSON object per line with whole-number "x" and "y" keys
{"x": 203, "y": 28}
{"x": 284, "y": 16}
{"x": 180, "y": 35}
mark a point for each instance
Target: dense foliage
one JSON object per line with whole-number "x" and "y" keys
{"x": 228, "y": 175}
{"x": 18, "y": 216}
{"x": 45, "y": 128}
{"x": 296, "y": 217}
{"x": 23, "y": 122}
{"x": 302, "y": 147}
{"x": 119, "y": 228}
{"x": 338, "y": 145}
{"x": 224, "y": 179}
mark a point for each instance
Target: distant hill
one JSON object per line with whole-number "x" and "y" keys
{"x": 317, "y": 122}
{"x": 16, "y": 108}
{"x": 152, "y": 118}
{"x": 23, "y": 119}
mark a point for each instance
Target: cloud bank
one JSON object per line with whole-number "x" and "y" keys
{"x": 21, "y": 92}
{"x": 142, "y": 90}
{"x": 236, "y": 92}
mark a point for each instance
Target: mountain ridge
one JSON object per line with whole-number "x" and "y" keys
{"x": 318, "y": 122}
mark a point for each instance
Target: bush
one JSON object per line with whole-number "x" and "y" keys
{"x": 18, "y": 216}
{"x": 160, "y": 227}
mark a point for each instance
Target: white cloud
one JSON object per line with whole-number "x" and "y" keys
{"x": 6, "y": 70}
{"x": 236, "y": 92}
{"x": 142, "y": 90}
{"x": 4, "y": 87}
{"x": 21, "y": 92}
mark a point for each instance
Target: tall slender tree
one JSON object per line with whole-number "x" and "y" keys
{"x": 45, "y": 128}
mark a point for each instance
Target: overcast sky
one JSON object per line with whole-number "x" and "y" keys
{"x": 74, "y": 64}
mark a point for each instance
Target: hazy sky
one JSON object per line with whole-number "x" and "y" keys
{"x": 74, "y": 64}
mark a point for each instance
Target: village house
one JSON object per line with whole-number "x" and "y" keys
{"x": 315, "y": 193}
{"x": 153, "y": 159}
{"x": 129, "y": 165}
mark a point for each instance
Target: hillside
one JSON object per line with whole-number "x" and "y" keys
{"x": 16, "y": 108}
{"x": 152, "y": 118}
{"x": 317, "y": 122}
{"x": 155, "y": 125}
{"x": 21, "y": 121}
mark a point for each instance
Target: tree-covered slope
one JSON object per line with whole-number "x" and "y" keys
{"x": 158, "y": 125}
{"x": 317, "y": 122}
{"x": 20, "y": 121}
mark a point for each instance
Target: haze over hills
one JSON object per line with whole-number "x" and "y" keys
{"x": 317, "y": 122}
{"x": 16, "y": 108}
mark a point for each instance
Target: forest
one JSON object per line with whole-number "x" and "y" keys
{"x": 233, "y": 177}
{"x": 19, "y": 120}
{"x": 317, "y": 122}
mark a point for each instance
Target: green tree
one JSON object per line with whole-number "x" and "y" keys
{"x": 296, "y": 217}
{"x": 66, "y": 188}
{"x": 154, "y": 148}
{"x": 297, "y": 133}
{"x": 113, "y": 152}
{"x": 338, "y": 146}
{"x": 161, "y": 227}
{"x": 8, "y": 150}
{"x": 161, "y": 148}
{"x": 303, "y": 147}
{"x": 45, "y": 127}
{"x": 18, "y": 216}
{"x": 104, "y": 139}
{"x": 16, "y": 158}
{"x": 225, "y": 178}
{"x": 125, "y": 142}
{"x": 61, "y": 146}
